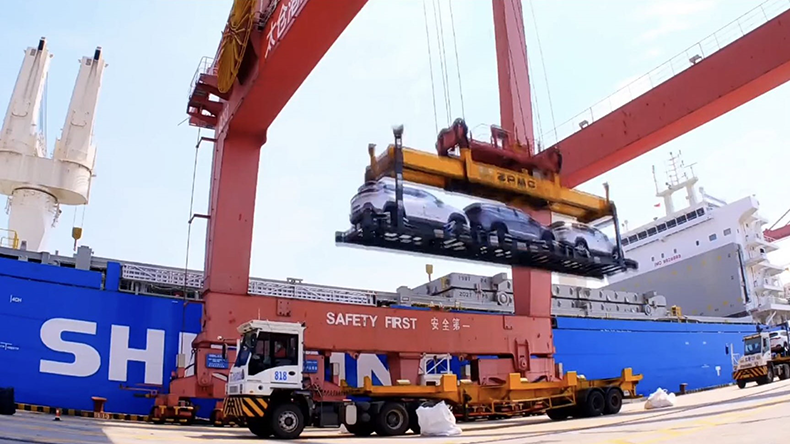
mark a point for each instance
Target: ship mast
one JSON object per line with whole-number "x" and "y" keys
{"x": 37, "y": 184}
{"x": 677, "y": 180}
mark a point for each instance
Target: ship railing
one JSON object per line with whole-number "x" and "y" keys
{"x": 736, "y": 29}
{"x": 9, "y": 238}
{"x": 261, "y": 287}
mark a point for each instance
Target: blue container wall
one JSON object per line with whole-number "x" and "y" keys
{"x": 34, "y": 315}
{"x": 667, "y": 354}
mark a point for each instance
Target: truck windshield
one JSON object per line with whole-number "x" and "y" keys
{"x": 752, "y": 346}
{"x": 267, "y": 350}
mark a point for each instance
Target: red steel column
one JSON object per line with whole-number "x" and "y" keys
{"x": 234, "y": 179}
{"x": 515, "y": 104}
{"x": 531, "y": 288}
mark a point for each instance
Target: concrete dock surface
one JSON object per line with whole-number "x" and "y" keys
{"x": 729, "y": 415}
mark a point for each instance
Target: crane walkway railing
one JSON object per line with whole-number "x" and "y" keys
{"x": 674, "y": 66}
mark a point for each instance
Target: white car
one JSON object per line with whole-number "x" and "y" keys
{"x": 377, "y": 199}
{"x": 779, "y": 341}
{"x": 584, "y": 237}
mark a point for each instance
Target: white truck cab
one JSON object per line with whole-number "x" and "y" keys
{"x": 759, "y": 362}
{"x": 269, "y": 357}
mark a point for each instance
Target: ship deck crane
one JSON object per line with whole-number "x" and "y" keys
{"x": 268, "y": 49}
{"x": 38, "y": 184}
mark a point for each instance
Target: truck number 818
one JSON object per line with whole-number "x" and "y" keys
{"x": 280, "y": 376}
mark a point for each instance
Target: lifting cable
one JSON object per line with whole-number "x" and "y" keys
{"x": 442, "y": 58}
{"x": 457, "y": 63}
{"x": 510, "y": 71}
{"x": 536, "y": 113}
{"x": 430, "y": 68}
{"x": 779, "y": 220}
{"x": 543, "y": 65}
{"x": 189, "y": 232}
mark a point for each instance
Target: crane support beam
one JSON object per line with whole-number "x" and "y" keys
{"x": 464, "y": 175}
{"x": 777, "y": 233}
{"x": 282, "y": 53}
{"x": 743, "y": 70}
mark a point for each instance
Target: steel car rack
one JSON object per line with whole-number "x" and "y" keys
{"x": 396, "y": 232}
{"x": 441, "y": 243}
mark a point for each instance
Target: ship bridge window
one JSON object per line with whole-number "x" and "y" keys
{"x": 651, "y": 231}
{"x": 642, "y": 235}
{"x": 632, "y": 239}
{"x": 701, "y": 212}
{"x": 692, "y": 215}
{"x": 672, "y": 223}
{"x": 625, "y": 242}
{"x": 681, "y": 220}
{"x": 727, "y": 232}
{"x": 712, "y": 237}
{"x": 662, "y": 227}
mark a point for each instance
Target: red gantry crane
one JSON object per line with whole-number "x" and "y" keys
{"x": 267, "y": 50}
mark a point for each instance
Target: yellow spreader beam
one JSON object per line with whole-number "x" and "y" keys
{"x": 464, "y": 175}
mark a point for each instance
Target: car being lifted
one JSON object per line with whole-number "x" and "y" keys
{"x": 504, "y": 221}
{"x": 377, "y": 199}
{"x": 585, "y": 238}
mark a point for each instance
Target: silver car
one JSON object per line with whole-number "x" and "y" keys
{"x": 589, "y": 240}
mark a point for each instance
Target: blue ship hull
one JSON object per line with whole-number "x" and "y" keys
{"x": 68, "y": 335}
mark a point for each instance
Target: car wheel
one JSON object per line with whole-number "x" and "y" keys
{"x": 458, "y": 223}
{"x": 581, "y": 246}
{"x": 392, "y": 212}
{"x": 548, "y": 237}
{"x": 501, "y": 232}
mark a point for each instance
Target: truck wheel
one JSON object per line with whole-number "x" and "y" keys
{"x": 287, "y": 421}
{"x": 784, "y": 372}
{"x": 614, "y": 401}
{"x": 392, "y": 420}
{"x": 360, "y": 429}
{"x": 741, "y": 383}
{"x": 594, "y": 404}
{"x": 260, "y": 427}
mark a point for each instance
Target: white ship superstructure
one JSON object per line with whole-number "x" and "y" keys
{"x": 709, "y": 257}
{"x": 36, "y": 183}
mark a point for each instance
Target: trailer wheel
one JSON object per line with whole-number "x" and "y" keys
{"x": 594, "y": 403}
{"x": 784, "y": 372}
{"x": 392, "y": 420}
{"x": 614, "y": 401}
{"x": 559, "y": 414}
{"x": 360, "y": 429}
{"x": 414, "y": 420}
{"x": 741, "y": 383}
{"x": 287, "y": 421}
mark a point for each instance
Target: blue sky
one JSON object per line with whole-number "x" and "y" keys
{"x": 374, "y": 76}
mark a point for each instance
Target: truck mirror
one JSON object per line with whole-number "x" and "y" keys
{"x": 225, "y": 351}
{"x": 726, "y": 349}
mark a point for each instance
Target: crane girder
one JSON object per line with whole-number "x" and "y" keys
{"x": 739, "y": 72}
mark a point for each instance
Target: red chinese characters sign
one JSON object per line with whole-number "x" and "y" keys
{"x": 280, "y": 21}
